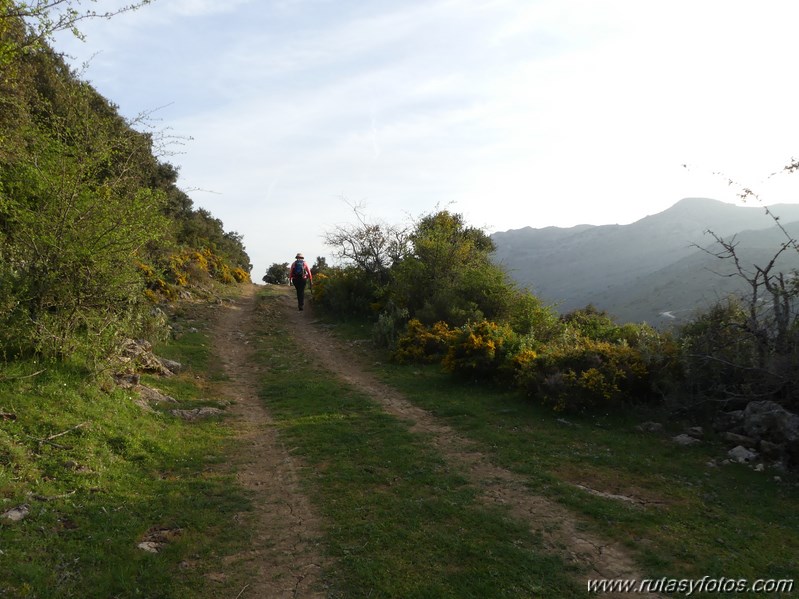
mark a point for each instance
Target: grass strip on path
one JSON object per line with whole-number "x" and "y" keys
{"x": 680, "y": 516}
{"x": 399, "y": 522}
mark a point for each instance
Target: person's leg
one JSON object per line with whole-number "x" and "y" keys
{"x": 300, "y": 287}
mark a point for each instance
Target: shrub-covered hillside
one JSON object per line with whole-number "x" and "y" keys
{"x": 435, "y": 296}
{"x": 93, "y": 226}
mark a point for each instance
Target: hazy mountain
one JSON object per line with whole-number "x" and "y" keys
{"x": 650, "y": 267}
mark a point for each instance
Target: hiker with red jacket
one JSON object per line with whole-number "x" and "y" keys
{"x": 299, "y": 273}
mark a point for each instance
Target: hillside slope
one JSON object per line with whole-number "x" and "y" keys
{"x": 641, "y": 270}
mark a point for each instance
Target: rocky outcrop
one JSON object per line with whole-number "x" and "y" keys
{"x": 763, "y": 428}
{"x": 139, "y": 355}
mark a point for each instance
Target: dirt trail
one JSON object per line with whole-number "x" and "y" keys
{"x": 285, "y": 553}
{"x": 559, "y": 528}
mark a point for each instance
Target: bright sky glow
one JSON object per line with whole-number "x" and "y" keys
{"x": 512, "y": 112}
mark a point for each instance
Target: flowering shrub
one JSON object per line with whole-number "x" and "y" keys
{"x": 584, "y": 373}
{"x": 241, "y": 275}
{"x": 481, "y": 348}
{"x": 423, "y": 344}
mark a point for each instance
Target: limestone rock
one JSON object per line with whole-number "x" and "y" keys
{"x": 685, "y": 440}
{"x": 741, "y": 454}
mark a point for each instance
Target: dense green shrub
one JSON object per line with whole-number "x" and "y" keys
{"x": 448, "y": 274}
{"x": 720, "y": 357}
{"x": 390, "y": 326}
{"x": 584, "y": 374}
{"x": 528, "y": 316}
{"x": 348, "y": 291}
{"x": 84, "y": 206}
{"x": 600, "y": 326}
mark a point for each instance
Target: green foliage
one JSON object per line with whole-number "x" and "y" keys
{"x": 347, "y": 291}
{"x": 199, "y": 229}
{"x": 462, "y": 311}
{"x": 448, "y": 275}
{"x": 719, "y": 353}
{"x": 389, "y": 326}
{"x": 585, "y": 374}
{"x": 84, "y": 206}
{"x": 75, "y": 211}
{"x": 528, "y": 317}
{"x": 277, "y": 274}
{"x": 599, "y": 326}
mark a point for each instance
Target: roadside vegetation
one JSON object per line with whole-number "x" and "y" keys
{"x": 93, "y": 227}
{"x": 97, "y": 242}
{"x": 116, "y": 499}
{"x": 433, "y": 295}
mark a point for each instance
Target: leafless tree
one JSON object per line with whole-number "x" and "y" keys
{"x": 770, "y": 300}
{"x": 46, "y": 17}
{"x": 371, "y": 246}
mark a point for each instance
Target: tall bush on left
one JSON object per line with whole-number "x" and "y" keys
{"x": 75, "y": 209}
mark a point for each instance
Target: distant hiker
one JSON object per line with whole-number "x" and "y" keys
{"x": 299, "y": 273}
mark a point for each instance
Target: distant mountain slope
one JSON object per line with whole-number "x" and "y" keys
{"x": 641, "y": 270}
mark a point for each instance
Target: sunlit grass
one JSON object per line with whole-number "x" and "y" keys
{"x": 97, "y": 473}
{"x": 686, "y": 519}
{"x": 400, "y": 522}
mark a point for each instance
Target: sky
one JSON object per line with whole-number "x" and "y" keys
{"x": 283, "y": 115}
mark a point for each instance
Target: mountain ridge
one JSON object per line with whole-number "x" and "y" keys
{"x": 615, "y": 267}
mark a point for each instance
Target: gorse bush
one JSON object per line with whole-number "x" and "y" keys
{"x": 584, "y": 374}
{"x": 422, "y": 344}
{"x": 482, "y": 349}
{"x": 440, "y": 299}
{"x": 569, "y": 373}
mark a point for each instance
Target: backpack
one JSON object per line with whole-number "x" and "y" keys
{"x": 298, "y": 270}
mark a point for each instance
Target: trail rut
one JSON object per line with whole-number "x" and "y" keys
{"x": 286, "y": 552}
{"x": 559, "y": 528}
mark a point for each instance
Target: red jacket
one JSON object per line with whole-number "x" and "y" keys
{"x": 306, "y": 271}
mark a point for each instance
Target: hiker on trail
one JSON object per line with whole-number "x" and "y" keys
{"x": 299, "y": 273}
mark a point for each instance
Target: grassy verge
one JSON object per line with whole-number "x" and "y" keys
{"x": 399, "y": 522}
{"x": 690, "y": 519}
{"x": 99, "y": 475}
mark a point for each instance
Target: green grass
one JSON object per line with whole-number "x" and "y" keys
{"x": 115, "y": 474}
{"x": 400, "y": 522}
{"x": 698, "y": 520}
